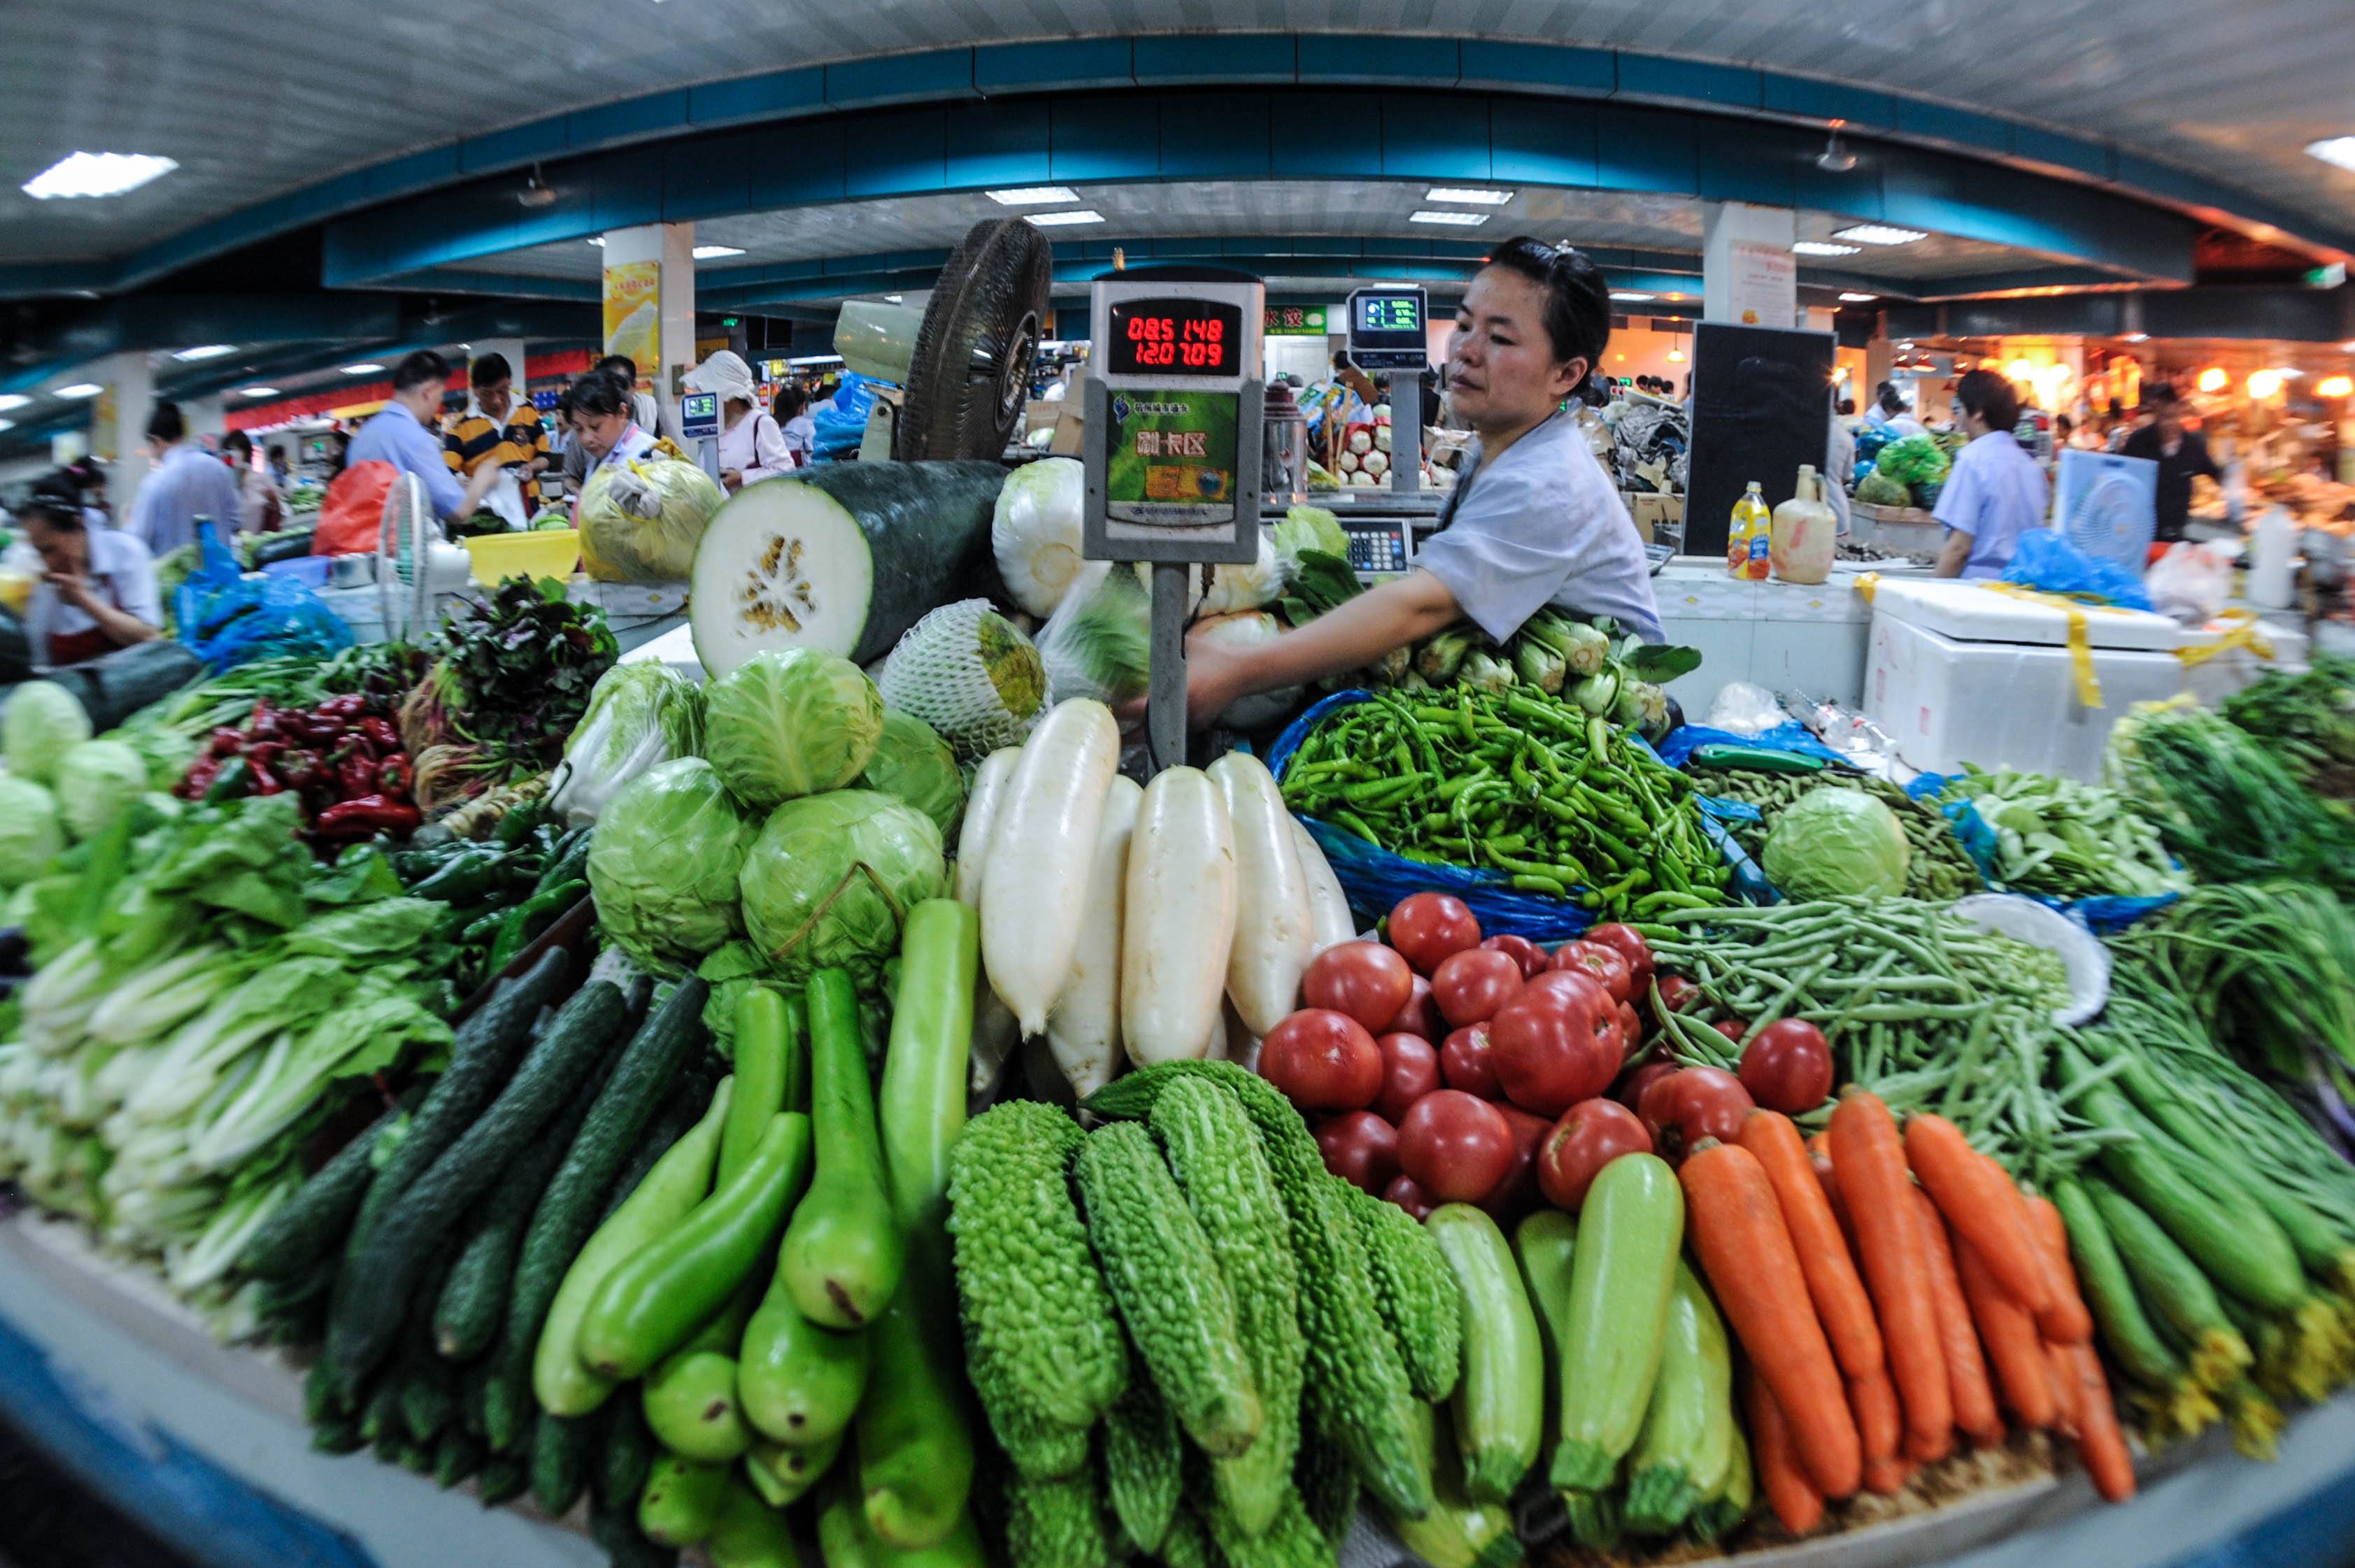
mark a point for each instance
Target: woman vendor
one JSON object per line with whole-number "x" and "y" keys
{"x": 97, "y": 588}
{"x": 604, "y": 421}
{"x": 1533, "y": 521}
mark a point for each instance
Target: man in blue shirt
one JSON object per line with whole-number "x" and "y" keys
{"x": 1995, "y": 492}
{"x": 184, "y": 483}
{"x": 402, "y": 433}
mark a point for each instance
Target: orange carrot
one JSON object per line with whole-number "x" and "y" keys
{"x": 1820, "y": 1156}
{"x": 1982, "y": 1205}
{"x": 1887, "y": 1476}
{"x": 1869, "y": 1160}
{"x": 1879, "y": 1422}
{"x": 1967, "y": 1373}
{"x": 1737, "y": 1232}
{"x": 2064, "y": 1373}
{"x": 2009, "y": 1331}
{"x": 1789, "y": 1491}
{"x": 2100, "y": 1444}
{"x": 1832, "y": 1281}
{"x": 2069, "y": 1323}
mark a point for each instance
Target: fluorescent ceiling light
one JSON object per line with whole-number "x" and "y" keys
{"x": 1631, "y": 295}
{"x": 1058, "y": 219}
{"x": 713, "y": 252}
{"x": 81, "y": 389}
{"x": 257, "y": 391}
{"x": 1451, "y": 219}
{"x": 12, "y": 401}
{"x": 2336, "y": 150}
{"x": 97, "y": 174}
{"x": 2137, "y": 338}
{"x": 1819, "y": 248}
{"x": 7, "y": 425}
{"x": 1880, "y": 234}
{"x": 598, "y": 240}
{"x": 1034, "y": 195}
{"x": 1467, "y": 196}
{"x": 207, "y": 351}
{"x": 1853, "y": 298}
{"x": 892, "y": 299}
{"x": 363, "y": 368}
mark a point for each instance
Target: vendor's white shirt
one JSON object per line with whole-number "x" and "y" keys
{"x": 121, "y": 572}
{"x": 1995, "y": 492}
{"x": 755, "y": 447}
{"x": 1542, "y": 525}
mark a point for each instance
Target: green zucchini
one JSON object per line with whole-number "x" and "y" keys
{"x": 1730, "y": 1505}
{"x": 1629, "y": 1232}
{"x": 689, "y": 1403}
{"x": 843, "y": 1251}
{"x": 800, "y": 1384}
{"x": 1499, "y": 1404}
{"x": 1459, "y": 1531}
{"x": 307, "y": 1226}
{"x": 914, "y": 1439}
{"x": 680, "y": 1500}
{"x": 670, "y": 1192}
{"x": 563, "y": 1451}
{"x": 1686, "y": 1441}
{"x": 386, "y": 1269}
{"x": 2127, "y": 1330}
{"x": 1546, "y": 1246}
{"x": 2166, "y": 1278}
{"x": 760, "y": 1073}
{"x": 783, "y": 1475}
{"x": 746, "y": 1532}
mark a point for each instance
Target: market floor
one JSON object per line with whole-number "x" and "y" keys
{"x": 48, "y": 1521}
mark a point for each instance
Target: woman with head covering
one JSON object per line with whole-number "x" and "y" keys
{"x": 752, "y": 445}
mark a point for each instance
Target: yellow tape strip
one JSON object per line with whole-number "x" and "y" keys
{"x": 2247, "y": 631}
{"x": 1866, "y": 582}
{"x": 2081, "y": 641}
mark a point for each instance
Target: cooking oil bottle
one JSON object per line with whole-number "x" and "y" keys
{"x": 1748, "y": 537}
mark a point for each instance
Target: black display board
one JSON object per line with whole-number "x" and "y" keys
{"x": 1762, "y": 406}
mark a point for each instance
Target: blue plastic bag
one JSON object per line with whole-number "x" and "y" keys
{"x": 1683, "y": 741}
{"x": 2045, "y": 561}
{"x": 227, "y": 618}
{"x": 2104, "y": 916}
{"x": 837, "y": 433}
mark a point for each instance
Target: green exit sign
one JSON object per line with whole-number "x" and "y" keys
{"x": 2328, "y": 277}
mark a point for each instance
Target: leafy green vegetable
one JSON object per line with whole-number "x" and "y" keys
{"x": 911, "y": 763}
{"x": 2309, "y": 718}
{"x": 1834, "y": 842}
{"x": 2067, "y": 839}
{"x": 1913, "y": 460}
{"x": 30, "y": 835}
{"x": 97, "y": 781}
{"x": 514, "y": 676}
{"x": 789, "y": 722}
{"x": 1097, "y": 643}
{"x": 664, "y": 862}
{"x": 1879, "y": 489}
{"x": 639, "y": 714}
{"x": 43, "y": 722}
{"x": 832, "y": 876}
{"x": 1305, "y": 528}
{"x": 641, "y": 521}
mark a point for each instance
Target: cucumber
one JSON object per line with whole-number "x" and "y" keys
{"x": 385, "y": 1270}
{"x": 2128, "y": 1332}
{"x": 307, "y": 1226}
{"x": 680, "y": 1500}
{"x": 760, "y": 1063}
{"x": 800, "y": 1384}
{"x": 1629, "y": 1232}
{"x": 504, "y": 1477}
{"x": 921, "y": 1107}
{"x": 669, "y": 1193}
{"x": 457, "y": 1456}
{"x": 782, "y": 1474}
{"x": 1499, "y": 1404}
{"x": 653, "y": 1300}
{"x": 619, "y": 1475}
{"x": 1686, "y": 1441}
{"x": 563, "y": 1453}
{"x": 691, "y": 1406}
{"x": 617, "y": 1531}
{"x": 747, "y": 1532}
{"x": 843, "y": 1251}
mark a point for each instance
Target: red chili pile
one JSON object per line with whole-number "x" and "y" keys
{"x": 346, "y": 762}
{"x": 1449, "y": 1069}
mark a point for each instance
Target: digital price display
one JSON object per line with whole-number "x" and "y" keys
{"x": 1379, "y": 313}
{"x": 1175, "y": 337}
{"x": 1386, "y": 329}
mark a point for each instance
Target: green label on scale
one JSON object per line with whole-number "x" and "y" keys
{"x": 1170, "y": 457}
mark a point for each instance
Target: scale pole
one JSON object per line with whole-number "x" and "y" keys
{"x": 1406, "y": 424}
{"x": 1164, "y": 699}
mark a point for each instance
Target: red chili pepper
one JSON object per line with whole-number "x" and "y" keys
{"x": 369, "y": 814}
{"x": 263, "y": 728}
{"x": 200, "y": 778}
{"x": 383, "y": 736}
{"x": 262, "y": 752}
{"x": 228, "y": 743}
{"x": 355, "y": 776}
{"x": 393, "y": 777}
{"x": 266, "y": 782}
{"x": 299, "y": 767}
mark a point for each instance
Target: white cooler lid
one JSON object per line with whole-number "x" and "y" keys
{"x": 1977, "y": 613}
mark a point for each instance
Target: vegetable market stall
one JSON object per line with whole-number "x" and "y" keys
{"x": 638, "y": 612}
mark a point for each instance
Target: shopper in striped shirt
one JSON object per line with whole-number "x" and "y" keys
{"x": 499, "y": 428}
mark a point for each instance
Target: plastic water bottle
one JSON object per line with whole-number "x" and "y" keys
{"x": 2270, "y": 584}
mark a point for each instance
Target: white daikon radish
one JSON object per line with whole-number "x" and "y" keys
{"x": 1273, "y": 936}
{"x": 1035, "y": 883}
{"x": 980, "y": 817}
{"x": 1178, "y": 925}
{"x": 1232, "y": 1040}
{"x": 1329, "y": 907}
{"x": 1084, "y": 1030}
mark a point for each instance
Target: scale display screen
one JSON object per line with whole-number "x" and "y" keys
{"x": 1382, "y": 317}
{"x": 1175, "y": 337}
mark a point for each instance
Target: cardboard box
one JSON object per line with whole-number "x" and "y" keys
{"x": 1653, "y": 511}
{"x": 1070, "y": 429}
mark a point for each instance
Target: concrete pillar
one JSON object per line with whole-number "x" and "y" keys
{"x": 508, "y": 348}
{"x": 118, "y": 422}
{"x": 649, "y": 300}
{"x": 1748, "y": 274}
{"x": 1880, "y": 354}
{"x": 205, "y": 421}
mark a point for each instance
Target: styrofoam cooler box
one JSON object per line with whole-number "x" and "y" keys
{"x": 1957, "y": 673}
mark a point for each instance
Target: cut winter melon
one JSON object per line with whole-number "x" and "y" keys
{"x": 843, "y": 560}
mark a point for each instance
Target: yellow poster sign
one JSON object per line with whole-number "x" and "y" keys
{"x": 102, "y": 424}
{"x": 634, "y": 314}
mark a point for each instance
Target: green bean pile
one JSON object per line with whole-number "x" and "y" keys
{"x": 1517, "y": 783}
{"x": 1918, "y": 1006}
{"x": 1939, "y": 867}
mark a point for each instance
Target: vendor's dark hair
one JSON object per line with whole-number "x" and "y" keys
{"x": 790, "y": 399}
{"x": 55, "y": 510}
{"x": 165, "y": 424}
{"x": 238, "y": 441}
{"x": 1889, "y": 398}
{"x": 2157, "y": 393}
{"x": 1577, "y": 300}
{"x": 489, "y": 370}
{"x": 417, "y": 369}
{"x": 1989, "y": 396}
{"x": 598, "y": 393}
{"x": 620, "y": 365}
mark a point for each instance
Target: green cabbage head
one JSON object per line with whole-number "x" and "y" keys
{"x": 1835, "y": 841}
{"x": 913, "y": 764}
{"x": 30, "y": 836}
{"x": 789, "y": 722}
{"x": 831, "y": 878}
{"x": 97, "y": 781}
{"x": 43, "y": 722}
{"x": 664, "y": 862}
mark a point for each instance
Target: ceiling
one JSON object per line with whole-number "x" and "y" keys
{"x": 266, "y": 96}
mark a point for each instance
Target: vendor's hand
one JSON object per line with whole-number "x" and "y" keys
{"x": 70, "y": 586}
{"x": 1216, "y": 675}
{"x": 732, "y": 478}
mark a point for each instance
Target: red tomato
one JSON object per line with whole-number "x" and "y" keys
{"x": 1363, "y": 979}
{"x": 1517, "y": 1194}
{"x": 1527, "y": 953}
{"x": 1556, "y": 1043}
{"x": 1624, "y": 941}
{"x": 1590, "y": 1136}
{"x": 1610, "y": 971}
{"x": 1788, "y": 1068}
{"x": 1731, "y": 1029}
{"x": 1656, "y": 1107}
{"x": 1456, "y": 1148}
{"x": 1464, "y": 1061}
{"x": 1695, "y": 1103}
{"x": 1410, "y": 1070}
{"x": 1427, "y": 927}
{"x": 1631, "y": 1028}
{"x": 1676, "y": 993}
{"x": 1472, "y": 985}
{"x": 1361, "y": 1147}
{"x": 1409, "y": 1195}
{"x": 1629, "y": 1091}
{"x": 1420, "y": 1015}
{"x": 1322, "y": 1061}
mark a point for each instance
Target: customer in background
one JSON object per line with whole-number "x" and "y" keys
{"x": 501, "y": 432}
{"x": 401, "y": 435}
{"x": 751, "y": 443}
{"x": 263, "y": 506}
{"x": 605, "y": 416}
{"x": 1889, "y": 411}
{"x": 642, "y": 408}
{"x": 2180, "y": 453}
{"x": 184, "y": 483}
{"x": 791, "y": 410}
{"x": 97, "y": 588}
{"x": 1840, "y": 467}
{"x": 84, "y": 482}
{"x": 1995, "y": 492}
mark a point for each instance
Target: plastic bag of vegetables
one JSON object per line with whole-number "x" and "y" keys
{"x": 638, "y": 715}
{"x": 641, "y": 521}
{"x": 1095, "y": 644}
{"x": 1242, "y": 630}
{"x": 1913, "y": 460}
{"x": 664, "y": 865}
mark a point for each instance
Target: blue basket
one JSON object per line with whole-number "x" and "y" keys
{"x": 2104, "y": 916}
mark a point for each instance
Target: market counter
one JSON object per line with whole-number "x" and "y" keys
{"x": 638, "y": 612}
